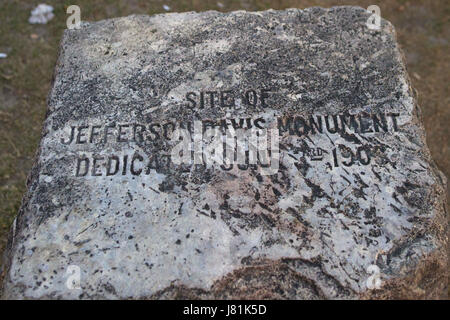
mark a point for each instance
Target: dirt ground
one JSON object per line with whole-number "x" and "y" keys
{"x": 25, "y": 75}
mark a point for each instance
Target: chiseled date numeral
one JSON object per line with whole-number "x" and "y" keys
{"x": 343, "y": 155}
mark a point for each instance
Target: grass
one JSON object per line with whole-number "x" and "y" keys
{"x": 25, "y": 75}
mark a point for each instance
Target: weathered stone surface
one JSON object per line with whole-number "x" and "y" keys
{"x": 343, "y": 199}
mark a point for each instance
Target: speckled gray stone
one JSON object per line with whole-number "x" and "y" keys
{"x": 355, "y": 191}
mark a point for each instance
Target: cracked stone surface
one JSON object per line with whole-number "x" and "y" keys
{"x": 356, "y": 196}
